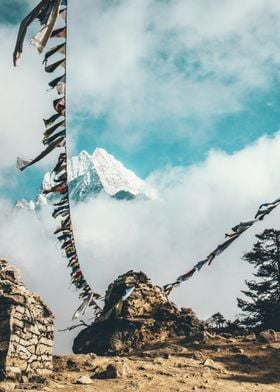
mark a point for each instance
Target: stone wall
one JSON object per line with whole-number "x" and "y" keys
{"x": 26, "y": 329}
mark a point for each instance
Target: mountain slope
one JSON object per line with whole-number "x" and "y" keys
{"x": 90, "y": 175}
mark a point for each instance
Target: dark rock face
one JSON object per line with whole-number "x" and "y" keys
{"x": 145, "y": 317}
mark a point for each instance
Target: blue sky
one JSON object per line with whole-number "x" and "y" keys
{"x": 183, "y": 92}
{"x": 12, "y": 13}
{"x": 231, "y": 132}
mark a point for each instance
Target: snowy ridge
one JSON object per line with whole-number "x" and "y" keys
{"x": 114, "y": 176}
{"x": 33, "y": 205}
{"x": 90, "y": 175}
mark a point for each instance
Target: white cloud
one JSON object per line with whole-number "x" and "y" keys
{"x": 148, "y": 60}
{"x": 163, "y": 237}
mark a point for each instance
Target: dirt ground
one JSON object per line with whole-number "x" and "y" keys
{"x": 220, "y": 364}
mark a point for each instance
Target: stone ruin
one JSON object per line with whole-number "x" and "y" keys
{"x": 144, "y": 318}
{"x": 26, "y": 330}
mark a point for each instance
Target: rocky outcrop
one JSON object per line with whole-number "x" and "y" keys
{"x": 145, "y": 317}
{"x": 269, "y": 336}
{"x": 26, "y": 329}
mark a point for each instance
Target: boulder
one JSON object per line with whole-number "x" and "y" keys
{"x": 84, "y": 380}
{"x": 130, "y": 322}
{"x": 268, "y": 336}
{"x": 114, "y": 370}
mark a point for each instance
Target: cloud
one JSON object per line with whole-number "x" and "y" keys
{"x": 148, "y": 61}
{"x": 162, "y": 237}
{"x": 197, "y": 206}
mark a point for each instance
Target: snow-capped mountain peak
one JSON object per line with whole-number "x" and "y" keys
{"x": 79, "y": 165}
{"x": 89, "y": 175}
{"x": 114, "y": 176}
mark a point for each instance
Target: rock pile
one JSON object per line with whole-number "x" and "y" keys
{"x": 145, "y": 317}
{"x": 26, "y": 329}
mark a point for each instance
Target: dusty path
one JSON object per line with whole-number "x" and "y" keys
{"x": 220, "y": 364}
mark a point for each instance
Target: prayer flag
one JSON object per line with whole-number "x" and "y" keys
{"x": 59, "y": 105}
{"x": 41, "y": 39}
{"x": 50, "y": 121}
{"x": 54, "y": 82}
{"x": 61, "y": 48}
{"x": 59, "y": 33}
{"x": 23, "y": 164}
{"x": 51, "y": 130}
{"x": 52, "y": 67}
{"x": 23, "y": 29}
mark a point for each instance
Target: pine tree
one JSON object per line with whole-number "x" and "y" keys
{"x": 263, "y": 307}
{"x": 216, "y": 322}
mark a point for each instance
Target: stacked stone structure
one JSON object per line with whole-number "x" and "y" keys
{"x": 26, "y": 329}
{"x": 144, "y": 318}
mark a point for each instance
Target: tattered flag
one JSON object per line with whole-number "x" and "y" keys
{"x": 23, "y": 164}
{"x": 50, "y": 121}
{"x": 41, "y": 39}
{"x": 55, "y": 82}
{"x": 59, "y": 33}
{"x": 59, "y": 105}
{"x": 60, "y": 88}
{"x": 63, "y": 14}
{"x": 61, "y": 48}
{"x": 52, "y": 67}
{"x": 61, "y": 188}
{"x": 23, "y": 29}
{"x": 50, "y": 139}
{"x": 52, "y": 129}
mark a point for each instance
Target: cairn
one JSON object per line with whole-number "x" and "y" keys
{"x": 145, "y": 317}
{"x": 26, "y": 329}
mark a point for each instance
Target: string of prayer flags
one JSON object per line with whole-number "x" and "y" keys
{"x": 54, "y": 136}
{"x": 263, "y": 210}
